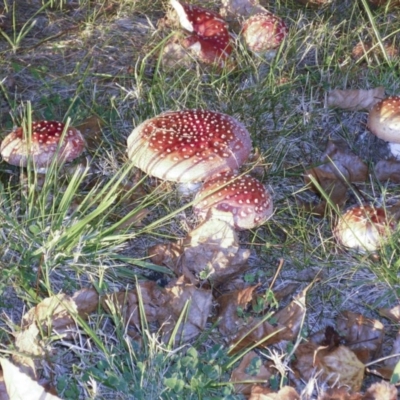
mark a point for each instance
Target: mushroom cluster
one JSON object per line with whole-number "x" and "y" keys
{"x": 44, "y": 142}
{"x": 209, "y": 39}
{"x": 384, "y": 122}
{"x": 200, "y": 145}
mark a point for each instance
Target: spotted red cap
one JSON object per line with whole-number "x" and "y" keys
{"x": 363, "y": 228}
{"x": 189, "y": 146}
{"x": 244, "y": 196}
{"x": 384, "y": 119}
{"x": 43, "y": 145}
{"x": 263, "y": 32}
{"x": 210, "y": 39}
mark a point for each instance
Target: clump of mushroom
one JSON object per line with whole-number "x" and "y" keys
{"x": 43, "y": 143}
{"x": 384, "y": 122}
{"x": 209, "y": 39}
{"x": 243, "y": 196}
{"x": 263, "y": 33}
{"x": 189, "y": 146}
{"x": 363, "y": 228}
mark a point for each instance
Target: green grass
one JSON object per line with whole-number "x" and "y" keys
{"x": 62, "y": 232}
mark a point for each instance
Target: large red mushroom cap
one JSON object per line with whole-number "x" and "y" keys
{"x": 43, "y": 145}
{"x": 263, "y": 32}
{"x": 244, "y": 196}
{"x": 189, "y": 146}
{"x": 363, "y": 228}
{"x": 210, "y": 39}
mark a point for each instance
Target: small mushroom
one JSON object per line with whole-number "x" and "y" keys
{"x": 43, "y": 145}
{"x": 244, "y": 197}
{"x": 210, "y": 39}
{"x": 363, "y": 228}
{"x": 264, "y": 33}
{"x": 384, "y": 122}
{"x": 189, "y": 146}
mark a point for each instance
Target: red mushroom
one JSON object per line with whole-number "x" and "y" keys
{"x": 363, "y": 228}
{"x": 384, "y": 122}
{"x": 210, "y": 39}
{"x": 264, "y": 32}
{"x": 189, "y": 146}
{"x": 43, "y": 145}
{"x": 244, "y": 196}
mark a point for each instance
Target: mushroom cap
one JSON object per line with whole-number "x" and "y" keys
{"x": 189, "y": 146}
{"x": 363, "y": 228}
{"x": 244, "y": 196}
{"x": 263, "y": 32}
{"x": 210, "y": 39}
{"x": 384, "y": 119}
{"x": 43, "y": 145}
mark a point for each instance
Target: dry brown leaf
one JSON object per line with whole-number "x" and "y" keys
{"x": 200, "y": 303}
{"x": 339, "y": 167}
{"x": 229, "y": 320}
{"x": 21, "y": 386}
{"x": 364, "y": 336}
{"x": 166, "y": 254}
{"x": 338, "y": 364}
{"x": 91, "y": 130}
{"x": 241, "y": 373}
{"x": 213, "y": 249}
{"x": 58, "y": 312}
{"x": 391, "y": 313}
{"x": 126, "y": 304}
{"x": 286, "y": 393}
{"x": 293, "y": 314}
{"x": 387, "y": 170}
{"x": 357, "y": 99}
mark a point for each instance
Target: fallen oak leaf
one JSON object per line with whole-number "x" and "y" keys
{"x": 59, "y": 312}
{"x": 200, "y": 302}
{"x": 229, "y": 303}
{"x": 364, "y": 336}
{"x": 386, "y": 170}
{"x": 339, "y": 168}
{"x": 357, "y": 99}
{"x": 334, "y": 365}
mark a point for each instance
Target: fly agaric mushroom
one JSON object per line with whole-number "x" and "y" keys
{"x": 264, "y": 33}
{"x": 189, "y": 146}
{"x": 244, "y": 196}
{"x": 43, "y": 145}
{"x": 363, "y": 228}
{"x": 210, "y": 39}
{"x": 384, "y": 122}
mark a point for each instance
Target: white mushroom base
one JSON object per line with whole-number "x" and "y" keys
{"x": 395, "y": 149}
